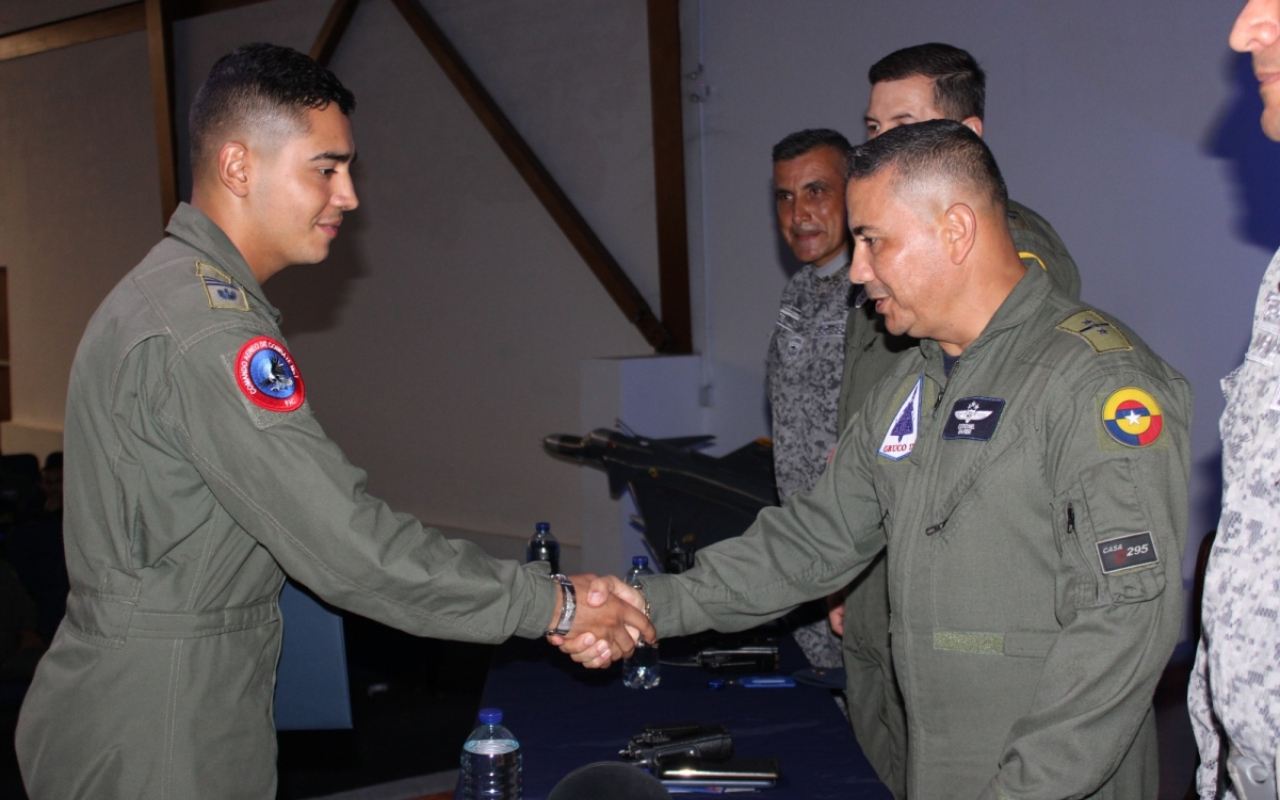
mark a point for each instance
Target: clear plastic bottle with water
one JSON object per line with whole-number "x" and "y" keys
{"x": 491, "y": 762}
{"x": 544, "y": 547}
{"x": 642, "y": 670}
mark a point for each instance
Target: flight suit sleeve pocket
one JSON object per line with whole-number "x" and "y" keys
{"x": 1119, "y": 545}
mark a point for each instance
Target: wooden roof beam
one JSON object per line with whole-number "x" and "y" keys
{"x": 114, "y": 21}
{"x": 160, "y": 59}
{"x": 667, "y": 110}
{"x": 331, "y": 32}
{"x": 599, "y": 260}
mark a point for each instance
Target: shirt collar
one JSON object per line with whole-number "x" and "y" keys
{"x": 840, "y": 262}
{"x": 192, "y": 226}
{"x": 1027, "y": 296}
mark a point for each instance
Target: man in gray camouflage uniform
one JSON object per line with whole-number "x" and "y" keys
{"x": 1234, "y": 697}
{"x": 806, "y": 353}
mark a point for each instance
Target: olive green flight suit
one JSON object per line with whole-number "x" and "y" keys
{"x": 1026, "y": 664}
{"x": 874, "y": 700}
{"x": 186, "y": 504}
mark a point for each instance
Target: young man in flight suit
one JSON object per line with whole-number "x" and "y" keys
{"x": 196, "y": 477}
{"x": 915, "y": 84}
{"x": 1024, "y": 469}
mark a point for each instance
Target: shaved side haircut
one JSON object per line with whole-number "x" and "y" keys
{"x": 959, "y": 84}
{"x": 797, "y": 144}
{"x": 261, "y": 88}
{"x": 927, "y": 150}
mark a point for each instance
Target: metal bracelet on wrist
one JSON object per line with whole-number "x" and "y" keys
{"x": 639, "y": 586}
{"x": 568, "y": 608}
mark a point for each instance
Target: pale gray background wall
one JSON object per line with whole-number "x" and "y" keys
{"x": 444, "y": 336}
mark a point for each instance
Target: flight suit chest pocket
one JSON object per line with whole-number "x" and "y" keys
{"x": 1108, "y": 541}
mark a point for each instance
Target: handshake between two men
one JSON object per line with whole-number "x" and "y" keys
{"x": 605, "y": 621}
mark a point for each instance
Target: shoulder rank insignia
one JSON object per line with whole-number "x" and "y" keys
{"x": 1101, "y": 334}
{"x": 221, "y": 290}
{"x": 1132, "y": 417}
{"x": 267, "y": 376}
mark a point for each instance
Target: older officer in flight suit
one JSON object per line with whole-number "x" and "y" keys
{"x": 197, "y": 476}
{"x": 1025, "y": 468}
{"x": 914, "y": 84}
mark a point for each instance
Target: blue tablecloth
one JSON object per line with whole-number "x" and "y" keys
{"x": 566, "y": 716}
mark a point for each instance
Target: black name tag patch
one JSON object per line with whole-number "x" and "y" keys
{"x": 973, "y": 418}
{"x": 1127, "y": 552}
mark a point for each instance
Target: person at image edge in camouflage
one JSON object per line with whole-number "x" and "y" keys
{"x": 929, "y": 81}
{"x": 1234, "y": 696}
{"x": 1024, "y": 470}
{"x": 806, "y": 350}
{"x": 196, "y": 476}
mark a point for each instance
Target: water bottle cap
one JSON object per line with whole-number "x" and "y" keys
{"x": 542, "y": 527}
{"x": 639, "y": 561}
{"x": 490, "y": 716}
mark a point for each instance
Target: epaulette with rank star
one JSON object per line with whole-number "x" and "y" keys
{"x": 1101, "y": 334}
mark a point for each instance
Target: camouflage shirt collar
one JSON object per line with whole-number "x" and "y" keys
{"x": 837, "y": 264}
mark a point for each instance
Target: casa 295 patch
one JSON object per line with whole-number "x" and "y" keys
{"x": 1127, "y": 552}
{"x": 267, "y": 376}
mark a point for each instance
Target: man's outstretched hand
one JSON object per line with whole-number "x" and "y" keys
{"x": 609, "y": 621}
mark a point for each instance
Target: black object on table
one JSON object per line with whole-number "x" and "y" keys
{"x": 566, "y": 716}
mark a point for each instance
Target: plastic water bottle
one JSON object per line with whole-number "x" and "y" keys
{"x": 491, "y": 761}
{"x": 544, "y": 547}
{"x": 642, "y": 670}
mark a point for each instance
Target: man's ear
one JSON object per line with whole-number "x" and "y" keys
{"x": 974, "y": 124}
{"x": 233, "y": 169}
{"x": 959, "y": 231}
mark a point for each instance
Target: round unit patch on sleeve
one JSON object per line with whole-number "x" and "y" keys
{"x": 266, "y": 374}
{"x": 1132, "y": 417}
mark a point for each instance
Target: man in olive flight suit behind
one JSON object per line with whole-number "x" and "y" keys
{"x": 1025, "y": 471}
{"x": 197, "y": 476}
{"x": 915, "y": 84}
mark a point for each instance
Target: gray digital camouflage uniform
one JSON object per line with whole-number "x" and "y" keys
{"x": 803, "y": 369}
{"x": 186, "y": 503}
{"x": 1009, "y": 496}
{"x": 1235, "y": 689}
{"x": 873, "y": 698}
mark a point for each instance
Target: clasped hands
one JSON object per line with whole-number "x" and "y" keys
{"x": 610, "y": 620}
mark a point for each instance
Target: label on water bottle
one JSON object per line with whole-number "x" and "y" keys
{"x": 492, "y": 747}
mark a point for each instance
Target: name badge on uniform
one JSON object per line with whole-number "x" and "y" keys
{"x": 901, "y": 438}
{"x": 973, "y": 418}
{"x": 1127, "y": 552}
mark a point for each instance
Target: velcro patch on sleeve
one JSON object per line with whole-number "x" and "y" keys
{"x": 1132, "y": 417}
{"x": 1101, "y": 334}
{"x": 1127, "y": 552}
{"x": 220, "y": 289}
{"x": 267, "y": 376}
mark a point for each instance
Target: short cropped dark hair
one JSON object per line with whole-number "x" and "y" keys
{"x": 801, "y": 142}
{"x": 261, "y": 85}
{"x": 959, "y": 84}
{"x": 927, "y": 149}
